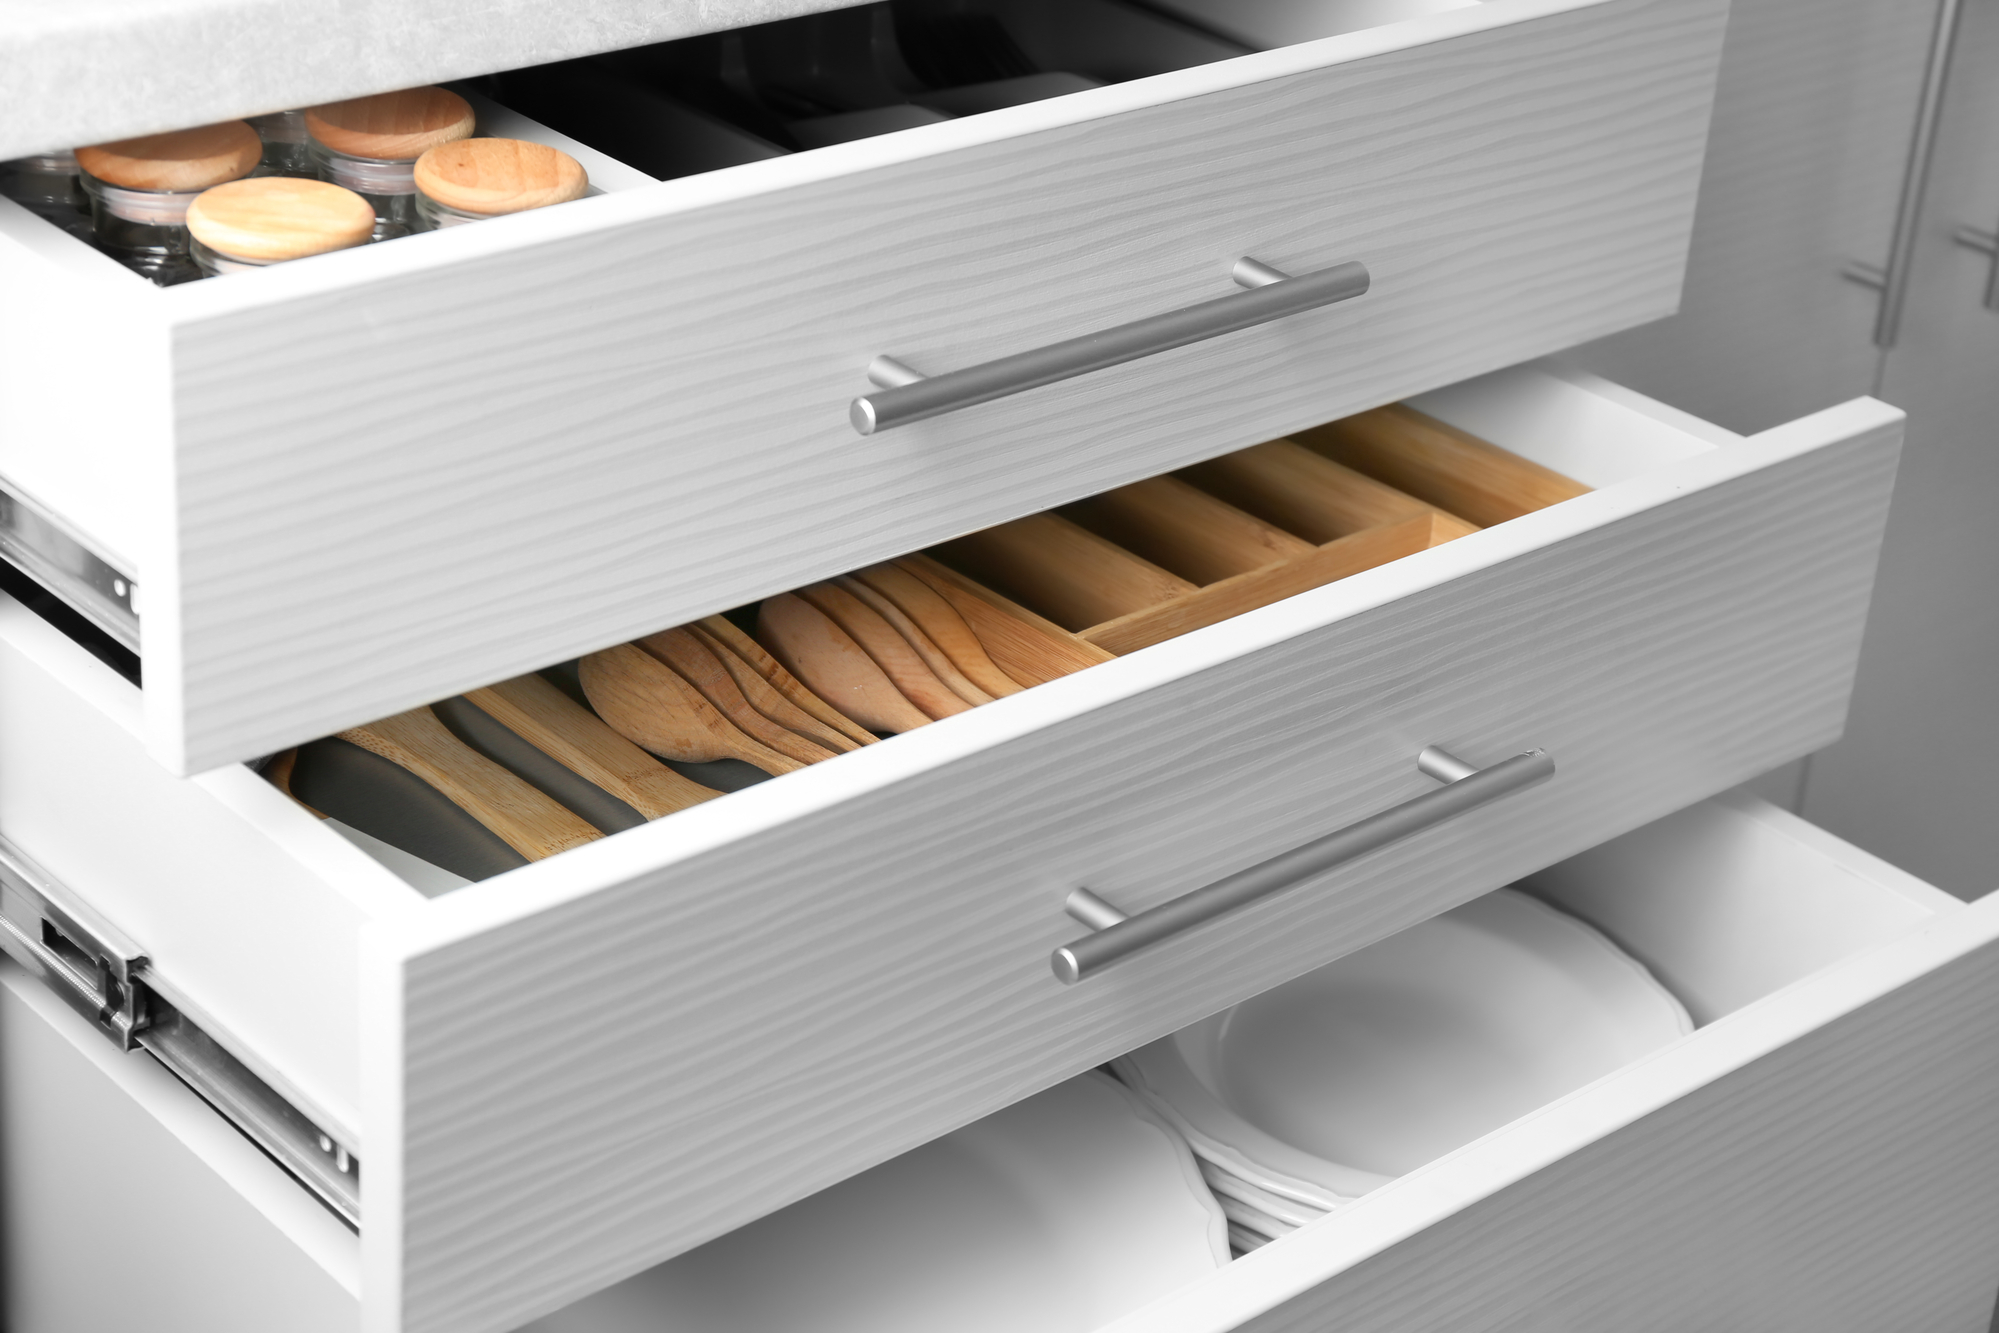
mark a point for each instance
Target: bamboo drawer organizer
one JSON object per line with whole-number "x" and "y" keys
{"x": 545, "y": 762}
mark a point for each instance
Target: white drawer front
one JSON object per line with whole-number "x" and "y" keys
{"x": 407, "y": 470}
{"x": 1817, "y": 1153}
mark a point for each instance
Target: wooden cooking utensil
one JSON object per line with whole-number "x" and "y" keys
{"x": 725, "y": 632}
{"x": 763, "y": 696}
{"x": 933, "y": 656}
{"x": 818, "y": 652}
{"x": 891, "y": 652}
{"x": 1026, "y": 646}
{"x": 938, "y": 619}
{"x": 576, "y": 738}
{"x": 704, "y": 671}
{"x": 522, "y": 817}
{"x": 649, "y": 704}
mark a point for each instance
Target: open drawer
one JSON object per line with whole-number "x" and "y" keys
{"x": 574, "y": 1069}
{"x": 360, "y": 481}
{"x": 1818, "y": 1154}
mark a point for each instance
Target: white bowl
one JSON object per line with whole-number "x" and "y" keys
{"x": 1058, "y": 1214}
{"x": 1335, "y": 1083}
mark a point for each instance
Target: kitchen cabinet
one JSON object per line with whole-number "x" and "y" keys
{"x": 590, "y": 422}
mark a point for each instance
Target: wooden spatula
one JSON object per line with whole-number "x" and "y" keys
{"x": 820, "y": 653}
{"x": 939, "y": 620}
{"x": 699, "y": 667}
{"x": 522, "y": 817}
{"x": 934, "y": 657}
{"x": 648, "y": 703}
{"x": 724, "y": 632}
{"x": 763, "y": 696}
{"x": 890, "y": 651}
{"x": 576, "y": 738}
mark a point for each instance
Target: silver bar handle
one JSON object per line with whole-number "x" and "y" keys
{"x": 1986, "y": 243}
{"x": 904, "y": 395}
{"x": 1119, "y": 936}
{"x": 1893, "y": 280}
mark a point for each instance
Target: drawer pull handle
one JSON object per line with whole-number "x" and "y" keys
{"x": 905, "y": 396}
{"x": 1467, "y": 788}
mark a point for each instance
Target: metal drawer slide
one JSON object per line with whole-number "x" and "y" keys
{"x": 104, "y": 976}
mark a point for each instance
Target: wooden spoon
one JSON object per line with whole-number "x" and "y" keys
{"x": 891, "y": 652}
{"x": 934, "y": 657}
{"x": 699, "y": 667}
{"x": 818, "y": 652}
{"x": 724, "y": 631}
{"x": 577, "y": 738}
{"x": 648, "y": 703}
{"x": 521, "y": 816}
{"x": 941, "y": 621}
{"x": 763, "y": 696}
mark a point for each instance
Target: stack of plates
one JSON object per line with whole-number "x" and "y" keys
{"x": 1059, "y": 1213}
{"x": 1312, "y": 1094}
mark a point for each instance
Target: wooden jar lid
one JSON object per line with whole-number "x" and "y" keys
{"x": 492, "y": 176}
{"x": 181, "y": 160}
{"x": 279, "y": 217}
{"x": 391, "y": 127}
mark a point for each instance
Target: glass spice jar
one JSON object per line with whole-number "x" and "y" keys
{"x": 140, "y": 190}
{"x": 266, "y": 220}
{"x": 46, "y": 185}
{"x": 370, "y": 145}
{"x": 473, "y": 179}
{"x": 284, "y": 135}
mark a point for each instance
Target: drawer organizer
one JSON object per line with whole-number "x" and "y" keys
{"x": 558, "y": 430}
{"x": 668, "y": 1032}
{"x": 533, "y": 772}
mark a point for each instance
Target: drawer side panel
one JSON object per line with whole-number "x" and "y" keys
{"x": 899, "y": 939}
{"x": 1846, "y": 1183}
{"x": 409, "y": 486}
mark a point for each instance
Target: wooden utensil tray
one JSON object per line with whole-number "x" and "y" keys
{"x": 1045, "y": 595}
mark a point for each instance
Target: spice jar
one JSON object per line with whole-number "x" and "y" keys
{"x": 484, "y": 178}
{"x": 46, "y": 185}
{"x": 268, "y": 219}
{"x": 370, "y": 146}
{"x": 140, "y": 188}
{"x": 284, "y": 136}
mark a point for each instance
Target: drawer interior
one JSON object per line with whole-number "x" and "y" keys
{"x": 1726, "y": 903}
{"x": 704, "y": 103}
{"x": 441, "y": 795}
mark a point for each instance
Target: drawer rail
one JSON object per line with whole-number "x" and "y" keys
{"x": 106, "y": 977}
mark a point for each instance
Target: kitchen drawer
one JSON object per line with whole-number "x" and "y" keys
{"x": 1818, "y": 1156}
{"x": 357, "y": 482}
{"x": 567, "y": 1072}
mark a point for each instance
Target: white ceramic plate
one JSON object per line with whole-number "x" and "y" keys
{"x": 1058, "y": 1213}
{"x": 1335, "y": 1083}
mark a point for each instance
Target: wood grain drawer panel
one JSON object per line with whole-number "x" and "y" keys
{"x": 374, "y": 478}
{"x": 666, "y": 1033}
